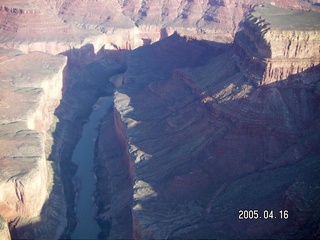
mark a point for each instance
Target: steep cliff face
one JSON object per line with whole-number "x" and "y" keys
{"x": 87, "y": 82}
{"x": 35, "y": 79}
{"x": 190, "y": 132}
{"x": 35, "y": 26}
{"x": 278, "y": 43}
{"x": 148, "y": 21}
{"x": 155, "y": 129}
{"x": 114, "y": 179}
{"x": 208, "y": 140}
{"x": 61, "y": 25}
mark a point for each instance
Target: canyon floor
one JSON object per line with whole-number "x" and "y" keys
{"x": 213, "y": 131}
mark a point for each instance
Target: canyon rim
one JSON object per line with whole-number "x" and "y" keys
{"x": 215, "y": 117}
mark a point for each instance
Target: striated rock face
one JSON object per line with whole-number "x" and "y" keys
{"x": 213, "y": 134}
{"x": 130, "y": 128}
{"x": 114, "y": 181}
{"x": 148, "y": 21}
{"x": 37, "y": 130}
{"x": 278, "y": 43}
{"x": 35, "y": 26}
{"x": 198, "y": 131}
{"x": 87, "y": 83}
{"x": 62, "y": 25}
{"x": 36, "y": 80}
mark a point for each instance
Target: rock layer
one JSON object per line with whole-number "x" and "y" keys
{"x": 190, "y": 132}
{"x": 87, "y": 83}
{"x": 278, "y": 43}
{"x": 59, "y": 26}
{"x": 35, "y": 26}
{"x": 151, "y": 20}
{"x": 36, "y": 80}
{"x": 206, "y": 140}
{"x": 114, "y": 181}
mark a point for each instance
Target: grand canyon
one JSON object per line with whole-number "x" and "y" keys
{"x": 205, "y": 119}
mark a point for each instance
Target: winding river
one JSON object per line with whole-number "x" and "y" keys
{"x": 83, "y": 156}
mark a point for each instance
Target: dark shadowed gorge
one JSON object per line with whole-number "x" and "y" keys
{"x": 215, "y": 109}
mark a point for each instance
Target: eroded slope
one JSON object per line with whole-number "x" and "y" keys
{"x": 278, "y": 43}
{"x": 36, "y": 80}
{"x": 207, "y": 141}
{"x": 192, "y": 137}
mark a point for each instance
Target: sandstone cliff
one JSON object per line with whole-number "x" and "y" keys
{"x": 62, "y": 25}
{"x": 114, "y": 179}
{"x": 87, "y": 82}
{"x": 192, "y": 134}
{"x": 207, "y": 140}
{"x": 36, "y": 80}
{"x": 149, "y": 21}
{"x": 278, "y": 43}
{"x": 35, "y": 26}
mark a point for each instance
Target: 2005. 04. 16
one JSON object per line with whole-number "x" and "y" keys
{"x": 267, "y": 214}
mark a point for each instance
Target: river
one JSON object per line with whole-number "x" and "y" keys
{"x": 83, "y": 156}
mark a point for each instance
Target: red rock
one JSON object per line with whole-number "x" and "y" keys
{"x": 197, "y": 132}
{"x": 36, "y": 80}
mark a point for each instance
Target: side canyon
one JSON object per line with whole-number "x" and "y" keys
{"x": 210, "y": 115}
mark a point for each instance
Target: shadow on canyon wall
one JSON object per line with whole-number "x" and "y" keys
{"x": 114, "y": 182}
{"x": 203, "y": 151}
{"x": 86, "y": 79}
{"x": 198, "y": 140}
{"x": 86, "y": 87}
{"x": 113, "y": 169}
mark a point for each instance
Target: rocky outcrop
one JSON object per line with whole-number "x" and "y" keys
{"x": 36, "y": 80}
{"x": 4, "y": 230}
{"x": 59, "y": 26}
{"x": 206, "y": 140}
{"x": 189, "y": 131}
{"x": 114, "y": 180}
{"x": 87, "y": 82}
{"x": 156, "y": 134}
{"x": 36, "y": 27}
{"x": 148, "y": 20}
{"x": 276, "y": 43}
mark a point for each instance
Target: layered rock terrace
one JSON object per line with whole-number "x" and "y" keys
{"x": 59, "y": 26}
{"x": 197, "y": 131}
{"x": 279, "y": 43}
{"x": 36, "y": 80}
{"x": 193, "y": 135}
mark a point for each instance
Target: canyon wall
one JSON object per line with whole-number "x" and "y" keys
{"x": 278, "y": 43}
{"x": 87, "y": 83}
{"x": 220, "y": 132}
{"x": 114, "y": 179}
{"x": 36, "y": 80}
{"x": 153, "y": 19}
{"x": 180, "y": 122}
{"x": 35, "y": 26}
{"x": 62, "y": 25}
{"x": 31, "y": 27}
